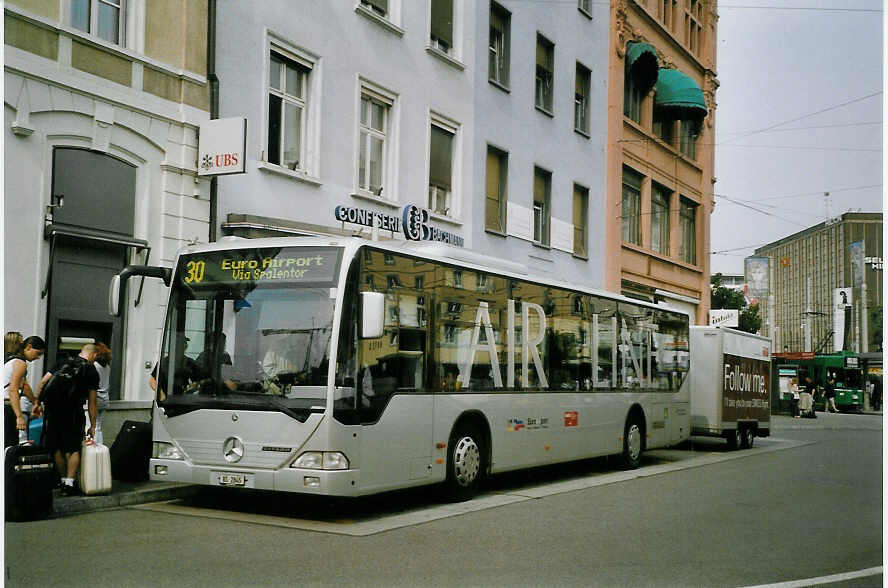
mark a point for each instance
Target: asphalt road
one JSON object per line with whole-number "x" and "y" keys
{"x": 806, "y": 503}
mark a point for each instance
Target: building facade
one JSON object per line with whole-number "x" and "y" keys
{"x": 811, "y": 270}
{"x": 490, "y": 115}
{"x": 102, "y": 104}
{"x": 661, "y": 117}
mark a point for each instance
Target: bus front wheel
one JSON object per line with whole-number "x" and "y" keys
{"x": 466, "y": 463}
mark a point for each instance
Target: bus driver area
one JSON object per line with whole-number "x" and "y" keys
{"x": 394, "y": 510}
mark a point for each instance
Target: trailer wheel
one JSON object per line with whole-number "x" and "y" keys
{"x": 735, "y": 438}
{"x": 748, "y": 438}
{"x": 466, "y": 463}
{"x": 633, "y": 443}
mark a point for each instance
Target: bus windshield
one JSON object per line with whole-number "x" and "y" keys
{"x": 249, "y": 329}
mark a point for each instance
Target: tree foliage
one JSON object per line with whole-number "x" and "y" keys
{"x": 723, "y": 297}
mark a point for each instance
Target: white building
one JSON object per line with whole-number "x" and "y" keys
{"x": 102, "y": 104}
{"x": 489, "y": 114}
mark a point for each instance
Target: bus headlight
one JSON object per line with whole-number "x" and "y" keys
{"x": 166, "y": 451}
{"x": 321, "y": 460}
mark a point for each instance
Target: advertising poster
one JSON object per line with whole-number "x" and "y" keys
{"x": 856, "y": 251}
{"x": 841, "y": 318}
{"x": 756, "y": 278}
{"x": 746, "y": 392}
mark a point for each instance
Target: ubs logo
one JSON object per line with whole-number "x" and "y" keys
{"x": 233, "y": 449}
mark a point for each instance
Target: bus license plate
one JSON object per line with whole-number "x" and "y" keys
{"x": 239, "y": 480}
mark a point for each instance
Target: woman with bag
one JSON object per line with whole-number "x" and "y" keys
{"x": 15, "y": 384}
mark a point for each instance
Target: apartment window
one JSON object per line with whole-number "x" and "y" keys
{"x": 660, "y": 219}
{"x": 545, "y": 73}
{"x": 441, "y": 168}
{"x": 287, "y": 106}
{"x": 585, "y": 6}
{"x": 693, "y": 27}
{"x": 581, "y": 99}
{"x": 690, "y": 129}
{"x": 495, "y": 190}
{"x": 631, "y": 206}
{"x": 374, "y": 125}
{"x": 580, "y": 220}
{"x": 378, "y": 7}
{"x": 632, "y": 96}
{"x": 542, "y": 194}
{"x": 102, "y": 18}
{"x": 664, "y": 125}
{"x": 666, "y": 13}
{"x": 442, "y": 26}
{"x": 498, "y": 45}
{"x": 687, "y": 226}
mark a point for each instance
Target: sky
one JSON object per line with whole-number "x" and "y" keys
{"x": 799, "y": 113}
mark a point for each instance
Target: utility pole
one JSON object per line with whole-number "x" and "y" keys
{"x": 808, "y": 315}
{"x": 771, "y": 307}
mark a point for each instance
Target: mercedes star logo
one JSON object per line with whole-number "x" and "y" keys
{"x": 233, "y": 449}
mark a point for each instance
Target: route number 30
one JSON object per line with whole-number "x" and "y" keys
{"x": 196, "y": 270}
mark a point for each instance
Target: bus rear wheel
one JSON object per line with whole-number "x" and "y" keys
{"x": 633, "y": 443}
{"x": 466, "y": 463}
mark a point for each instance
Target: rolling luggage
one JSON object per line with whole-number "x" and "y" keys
{"x": 30, "y": 477}
{"x": 95, "y": 468}
{"x": 131, "y": 452}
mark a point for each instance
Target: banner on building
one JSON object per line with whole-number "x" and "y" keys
{"x": 724, "y": 318}
{"x": 756, "y": 278}
{"x": 841, "y": 318}
{"x": 857, "y": 265}
{"x": 222, "y": 147}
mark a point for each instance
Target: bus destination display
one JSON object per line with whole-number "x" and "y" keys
{"x": 251, "y": 266}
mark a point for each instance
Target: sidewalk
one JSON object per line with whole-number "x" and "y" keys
{"x": 122, "y": 494}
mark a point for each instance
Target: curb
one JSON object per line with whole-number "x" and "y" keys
{"x": 119, "y": 497}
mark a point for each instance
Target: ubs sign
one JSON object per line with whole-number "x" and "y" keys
{"x": 414, "y": 222}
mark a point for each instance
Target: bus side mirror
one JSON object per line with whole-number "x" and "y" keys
{"x": 114, "y": 296}
{"x": 372, "y": 315}
{"x": 118, "y": 282}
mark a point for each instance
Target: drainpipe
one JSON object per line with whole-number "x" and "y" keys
{"x": 214, "y": 108}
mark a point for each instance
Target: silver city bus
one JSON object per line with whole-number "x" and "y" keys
{"x": 348, "y": 367}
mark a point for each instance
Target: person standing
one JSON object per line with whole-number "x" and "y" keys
{"x": 829, "y": 390}
{"x": 15, "y": 385}
{"x": 794, "y": 401}
{"x": 103, "y": 397}
{"x": 12, "y": 344}
{"x": 63, "y": 414}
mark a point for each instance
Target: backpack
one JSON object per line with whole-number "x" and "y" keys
{"x": 62, "y": 386}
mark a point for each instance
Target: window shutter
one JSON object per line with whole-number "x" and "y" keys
{"x": 442, "y": 20}
{"x": 440, "y": 155}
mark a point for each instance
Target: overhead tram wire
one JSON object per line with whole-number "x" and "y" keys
{"x": 798, "y": 118}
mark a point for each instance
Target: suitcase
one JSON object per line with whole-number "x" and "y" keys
{"x": 95, "y": 468}
{"x": 131, "y": 452}
{"x": 30, "y": 477}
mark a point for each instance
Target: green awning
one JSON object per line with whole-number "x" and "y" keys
{"x": 678, "y": 91}
{"x": 642, "y": 64}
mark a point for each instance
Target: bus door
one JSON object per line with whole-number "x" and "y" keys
{"x": 396, "y": 413}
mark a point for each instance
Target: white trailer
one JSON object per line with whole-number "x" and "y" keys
{"x": 730, "y": 388}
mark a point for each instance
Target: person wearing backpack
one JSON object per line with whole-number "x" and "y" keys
{"x": 62, "y": 394}
{"x": 17, "y": 395}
